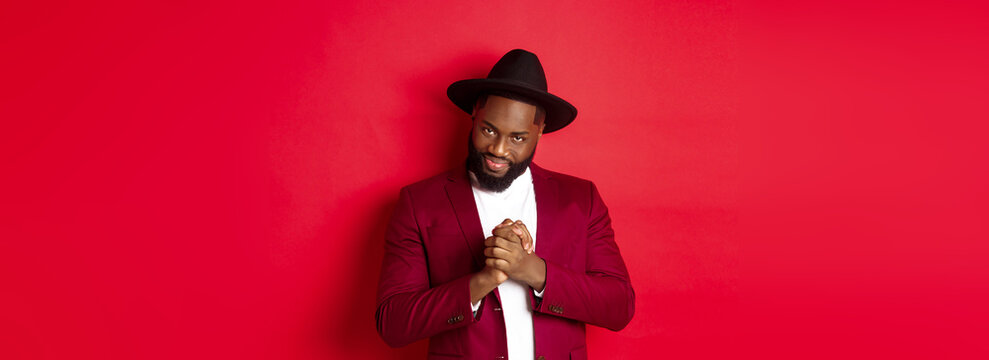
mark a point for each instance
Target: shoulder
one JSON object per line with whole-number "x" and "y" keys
{"x": 569, "y": 191}
{"x": 579, "y": 191}
{"x": 561, "y": 180}
{"x": 435, "y": 183}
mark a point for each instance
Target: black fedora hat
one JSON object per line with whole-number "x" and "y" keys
{"x": 518, "y": 72}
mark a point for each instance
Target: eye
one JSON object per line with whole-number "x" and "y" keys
{"x": 487, "y": 131}
{"x": 518, "y": 138}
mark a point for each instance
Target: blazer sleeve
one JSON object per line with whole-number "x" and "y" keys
{"x": 408, "y": 309}
{"x": 602, "y": 293}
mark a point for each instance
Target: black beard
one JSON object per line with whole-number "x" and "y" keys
{"x": 475, "y": 163}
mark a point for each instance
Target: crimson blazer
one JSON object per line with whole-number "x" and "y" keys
{"x": 434, "y": 243}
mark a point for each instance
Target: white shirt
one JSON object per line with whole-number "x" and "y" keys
{"x": 518, "y": 202}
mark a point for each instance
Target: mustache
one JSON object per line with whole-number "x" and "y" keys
{"x": 492, "y": 156}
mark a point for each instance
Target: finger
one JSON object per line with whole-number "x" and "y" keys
{"x": 500, "y": 242}
{"x": 526, "y": 243}
{"x": 496, "y": 252}
{"x": 497, "y": 241}
{"x": 500, "y": 276}
{"x": 513, "y": 251}
{"x": 508, "y": 234}
{"x": 490, "y": 241}
{"x": 504, "y": 224}
{"x": 525, "y": 236}
{"x": 499, "y": 264}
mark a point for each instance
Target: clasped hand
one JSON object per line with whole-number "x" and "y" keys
{"x": 509, "y": 252}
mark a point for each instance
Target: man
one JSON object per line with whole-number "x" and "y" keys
{"x": 549, "y": 264}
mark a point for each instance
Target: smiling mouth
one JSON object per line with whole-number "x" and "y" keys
{"x": 495, "y": 166}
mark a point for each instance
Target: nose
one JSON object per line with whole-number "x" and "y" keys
{"x": 499, "y": 148}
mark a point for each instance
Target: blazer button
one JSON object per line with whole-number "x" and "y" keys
{"x": 460, "y": 318}
{"x": 541, "y": 357}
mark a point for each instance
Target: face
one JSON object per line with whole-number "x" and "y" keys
{"x": 503, "y": 140}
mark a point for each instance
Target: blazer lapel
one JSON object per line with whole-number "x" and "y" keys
{"x": 458, "y": 190}
{"x": 547, "y": 206}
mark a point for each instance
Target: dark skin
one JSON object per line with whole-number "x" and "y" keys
{"x": 506, "y": 131}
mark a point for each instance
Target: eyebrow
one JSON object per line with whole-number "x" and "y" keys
{"x": 496, "y": 128}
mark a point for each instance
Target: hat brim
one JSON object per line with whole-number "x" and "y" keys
{"x": 559, "y": 112}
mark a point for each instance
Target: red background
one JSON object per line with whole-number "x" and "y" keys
{"x": 211, "y": 180}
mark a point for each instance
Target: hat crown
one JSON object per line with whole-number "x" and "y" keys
{"x": 522, "y": 66}
{"x": 519, "y": 72}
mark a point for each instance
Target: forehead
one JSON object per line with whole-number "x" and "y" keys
{"x": 508, "y": 114}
